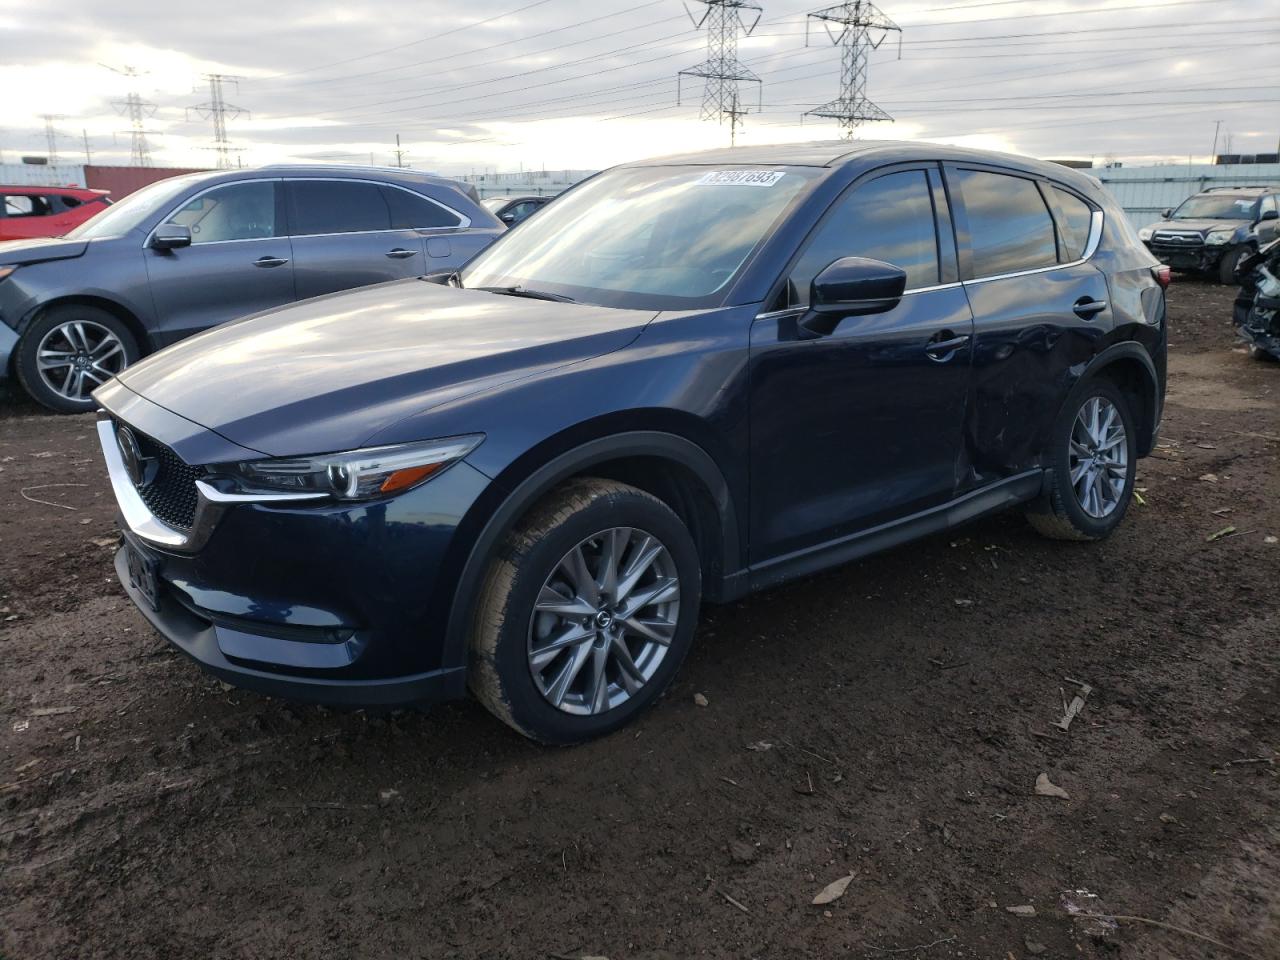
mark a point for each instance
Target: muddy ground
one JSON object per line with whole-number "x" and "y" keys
{"x": 146, "y": 811}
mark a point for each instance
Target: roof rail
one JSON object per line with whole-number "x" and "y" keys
{"x": 1244, "y": 186}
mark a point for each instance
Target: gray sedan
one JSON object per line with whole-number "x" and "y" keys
{"x": 191, "y": 252}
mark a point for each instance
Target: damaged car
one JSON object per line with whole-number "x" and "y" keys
{"x": 1216, "y": 229}
{"x": 684, "y": 380}
{"x": 1257, "y": 306}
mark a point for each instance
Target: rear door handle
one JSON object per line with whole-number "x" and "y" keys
{"x": 400, "y": 253}
{"x": 943, "y": 350}
{"x": 1086, "y": 308}
{"x": 270, "y": 262}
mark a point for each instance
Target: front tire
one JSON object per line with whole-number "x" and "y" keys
{"x": 1093, "y": 462}
{"x": 68, "y": 352}
{"x": 586, "y": 613}
{"x": 1227, "y": 267}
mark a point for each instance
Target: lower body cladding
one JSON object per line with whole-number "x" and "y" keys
{"x": 323, "y": 602}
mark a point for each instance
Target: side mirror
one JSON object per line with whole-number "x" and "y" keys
{"x": 508, "y": 218}
{"x": 171, "y": 236}
{"x": 1166, "y": 214}
{"x": 1269, "y": 215}
{"x": 851, "y": 287}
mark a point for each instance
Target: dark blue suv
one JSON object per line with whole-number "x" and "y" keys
{"x": 686, "y": 379}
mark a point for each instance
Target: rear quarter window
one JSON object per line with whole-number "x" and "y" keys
{"x": 1074, "y": 222}
{"x": 1010, "y": 229}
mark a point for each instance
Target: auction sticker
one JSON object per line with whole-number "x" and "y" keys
{"x": 743, "y": 178}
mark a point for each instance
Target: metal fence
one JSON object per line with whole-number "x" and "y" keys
{"x": 1146, "y": 192}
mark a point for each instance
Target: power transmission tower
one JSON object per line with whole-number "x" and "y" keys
{"x": 722, "y": 70}
{"x": 51, "y": 136}
{"x": 138, "y": 111}
{"x": 399, "y": 153}
{"x": 862, "y": 28}
{"x": 735, "y": 120}
{"x": 219, "y": 111}
{"x": 88, "y": 154}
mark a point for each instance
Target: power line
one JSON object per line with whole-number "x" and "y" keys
{"x": 722, "y": 71}
{"x": 863, "y": 27}
{"x": 138, "y": 111}
{"x": 219, "y": 111}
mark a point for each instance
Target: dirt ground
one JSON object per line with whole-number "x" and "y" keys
{"x": 887, "y": 720}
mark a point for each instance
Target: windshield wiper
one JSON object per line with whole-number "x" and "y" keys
{"x": 525, "y": 292}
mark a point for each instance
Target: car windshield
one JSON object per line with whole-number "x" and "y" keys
{"x": 1210, "y": 207}
{"x": 493, "y": 203}
{"x": 134, "y": 210}
{"x": 644, "y": 237}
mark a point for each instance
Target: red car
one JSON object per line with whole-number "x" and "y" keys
{"x": 27, "y": 212}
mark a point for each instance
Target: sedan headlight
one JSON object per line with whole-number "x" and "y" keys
{"x": 1145, "y": 234}
{"x": 1216, "y": 238}
{"x": 356, "y": 474}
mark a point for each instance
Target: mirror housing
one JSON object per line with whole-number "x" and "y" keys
{"x": 1269, "y": 215}
{"x": 1166, "y": 214}
{"x": 508, "y": 218}
{"x": 851, "y": 287}
{"x": 170, "y": 236}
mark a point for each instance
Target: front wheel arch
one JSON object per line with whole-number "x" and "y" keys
{"x": 521, "y": 495}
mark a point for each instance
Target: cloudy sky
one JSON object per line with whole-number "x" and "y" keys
{"x": 506, "y": 84}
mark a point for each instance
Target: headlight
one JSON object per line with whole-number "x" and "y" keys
{"x": 1145, "y": 234}
{"x": 5, "y": 271}
{"x": 357, "y": 474}
{"x": 1216, "y": 238}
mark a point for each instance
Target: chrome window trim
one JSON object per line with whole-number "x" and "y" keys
{"x": 771, "y": 314}
{"x": 464, "y": 222}
{"x": 1090, "y": 248}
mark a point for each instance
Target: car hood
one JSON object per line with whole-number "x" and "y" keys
{"x": 1199, "y": 226}
{"x": 326, "y": 374}
{"x": 39, "y": 250}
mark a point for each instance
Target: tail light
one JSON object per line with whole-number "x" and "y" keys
{"x": 1163, "y": 275}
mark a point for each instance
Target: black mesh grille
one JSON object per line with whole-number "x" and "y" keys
{"x": 170, "y": 486}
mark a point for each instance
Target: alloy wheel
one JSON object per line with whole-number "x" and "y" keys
{"x": 1099, "y": 457}
{"x": 603, "y": 621}
{"x": 76, "y": 357}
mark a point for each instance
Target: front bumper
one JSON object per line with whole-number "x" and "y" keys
{"x": 1201, "y": 257}
{"x": 8, "y": 344}
{"x": 330, "y": 602}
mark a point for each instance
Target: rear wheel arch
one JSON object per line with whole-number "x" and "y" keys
{"x": 1130, "y": 368}
{"x": 668, "y": 465}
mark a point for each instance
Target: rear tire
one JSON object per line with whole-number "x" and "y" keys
{"x": 1093, "y": 462}
{"x": 1257, "y": 353}
{"x": 69, "y": 351}
{"x": 564, "y": 647}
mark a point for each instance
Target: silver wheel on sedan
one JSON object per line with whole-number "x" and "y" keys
{"x": 1099, "y": 459}
{"x": 76, "y": 357}
{"x": 603, "y": 621}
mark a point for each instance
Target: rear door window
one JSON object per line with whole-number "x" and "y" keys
{"x": 889, "y": 218}
{"x": 410, "y": 211}
{"x": 1074, "y": 223}
{"x": 1010, "y": 229}
{"x": 337, "y": 206}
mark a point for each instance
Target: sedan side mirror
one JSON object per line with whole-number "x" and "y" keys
{"x": 171, "y": 236}
{"x": 1269, "y": 215}
{"x": 851, "y": 287}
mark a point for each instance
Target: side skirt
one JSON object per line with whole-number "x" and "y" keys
{"x": 990, "y": 499}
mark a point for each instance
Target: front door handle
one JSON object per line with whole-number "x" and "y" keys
{"x": 944, "y": 345}
{"x": 270, "y": 262}
{"x": 1086, "y": 308}
{"x": 400, "y": 253}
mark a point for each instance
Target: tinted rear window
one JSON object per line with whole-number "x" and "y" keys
{"x": 409, "y": 210}
{"x": 1009, "y": 226}
{"x": 336, "y": 206}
